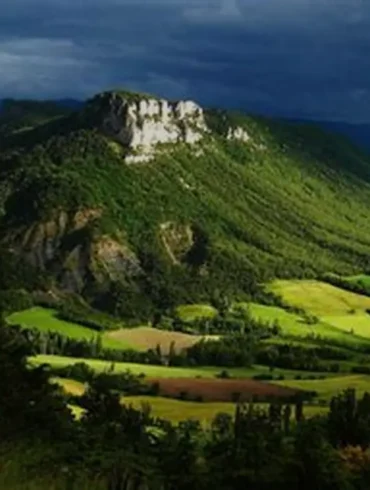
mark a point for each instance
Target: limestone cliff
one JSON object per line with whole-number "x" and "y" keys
{"x": 238, "y": 133}
{"x": 140, "y": 124}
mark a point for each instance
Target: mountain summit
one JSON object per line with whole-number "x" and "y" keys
{"x": 132, "y": 198}
{"x": 143, "y": 124}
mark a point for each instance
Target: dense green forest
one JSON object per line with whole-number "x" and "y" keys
{"x": 228, "y": 215}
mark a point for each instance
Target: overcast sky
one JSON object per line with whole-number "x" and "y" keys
{"x": 303, "y": 58}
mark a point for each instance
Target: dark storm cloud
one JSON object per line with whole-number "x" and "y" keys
{"x": 307, "y": 58}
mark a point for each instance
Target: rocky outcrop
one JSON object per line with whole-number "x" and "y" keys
{"x": 66, "y": 247}
{"x": 141, "y": 124}
{"x": 114, "y": 260}
{"x": 238, "y": 133}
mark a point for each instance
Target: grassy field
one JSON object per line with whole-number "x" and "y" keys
{"x": 173, "y": 410}
{"x": 343, "y": 329}
{"x": 168, "y": 372}
{"x": 189, "y": 313}
{"x": 319, "y": 298}
{"x": 292, "y": 324}
{"x": 45, "y": 320}
{"x": 177, "y": 410}
{"x": 342, "y": 314}
{"x": 327, "y": 388}
{"x": 70, "y": 386}
{"x": 145, "y": 338}
{"x": 357, "y": 324}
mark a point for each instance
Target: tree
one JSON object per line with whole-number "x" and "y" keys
{"x": 349, "y": 419}
{"x": 315, "y": 462}
{"x": 29, "y": 402}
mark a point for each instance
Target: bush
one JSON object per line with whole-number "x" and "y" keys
{"x": 334, "y": 368}
{"x": 235, "y": 397}
{"x": 360, "y": 369}
{"x": 15, "y": 300}
{"x": 263, "y": 377}
{"x": 79, "y": 371}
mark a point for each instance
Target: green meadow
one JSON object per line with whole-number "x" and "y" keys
{"x": 170, "y": 409}
{"x": 329, "y": 387}
{"x": 46, "y": 320}
{"x": 340, "y": 329}
{"x": 168, "y": 372}
{"x": 173, "y": 410}
{"x": 319, "y": 298}
{"x": 189, "y": 313}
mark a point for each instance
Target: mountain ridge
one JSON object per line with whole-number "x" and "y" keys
{"x": 254, "y": 199}
{"x": 359, "y": 133}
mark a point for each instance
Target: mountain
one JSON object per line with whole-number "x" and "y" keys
{"x": 21, "y": 114}
{"x": 359, "y": 134}
{"x": 38, "y": 105}
{"x": 136, "y": 202}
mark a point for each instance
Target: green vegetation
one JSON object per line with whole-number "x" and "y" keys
{"x": 357, "y": 324}
{"x": 70, "y": 386}
{"x": 319, "y": 298}
{"x": 360, "y": 279}
{"x": 46, "y": 320}
{"x": 48, "y": 443}
{"x": 348, "y": 330}
{"x": 359, "y": 283}
{"x": 167, "y": 372}
{"x": 177, "y": 410}
{"x": 250, "y": 210}
{"x": 337, "y": 314}
{"x": 189, "y": 313}
{"x": 327, "y": 388}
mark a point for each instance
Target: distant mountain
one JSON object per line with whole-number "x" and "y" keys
{"x": 131, "y": 201}
{"x": 16, "y": 114}
{"x": 358, "y": 133}
{"x": 70, "y": 103}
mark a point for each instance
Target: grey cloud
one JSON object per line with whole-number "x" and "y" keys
{"x": 307, "y": 58}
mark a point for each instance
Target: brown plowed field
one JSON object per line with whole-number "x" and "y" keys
{"x": 148, "y": 338}
{"x": 221, "y": 390}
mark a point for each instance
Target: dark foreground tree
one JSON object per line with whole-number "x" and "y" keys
{"x": 29, "y": 403}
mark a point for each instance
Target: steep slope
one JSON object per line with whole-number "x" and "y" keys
{"x": 134, "y": 197}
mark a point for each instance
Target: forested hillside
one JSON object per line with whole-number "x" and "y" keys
{"x": 225, "y": 214}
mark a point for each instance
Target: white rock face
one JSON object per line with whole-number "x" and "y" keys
{"x": 141, "y": 125}
{"x": 238, "y": 134}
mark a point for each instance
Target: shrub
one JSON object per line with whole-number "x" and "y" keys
{"x": 235, "y": 397}
{"x": 15, "y": 300}
{"x": 263, "y": 377}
